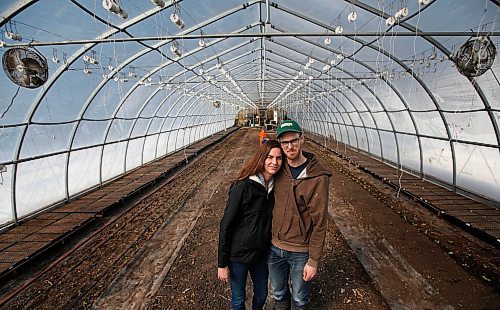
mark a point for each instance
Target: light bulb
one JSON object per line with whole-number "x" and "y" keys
{"x": 352, "y": 17}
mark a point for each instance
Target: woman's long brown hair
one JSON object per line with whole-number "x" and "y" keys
{"x": 256, "y": 163}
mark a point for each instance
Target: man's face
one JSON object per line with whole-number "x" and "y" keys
{"x": 291, "y": 143}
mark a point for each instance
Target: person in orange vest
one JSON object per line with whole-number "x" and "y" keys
{"x": 262, "y": 135}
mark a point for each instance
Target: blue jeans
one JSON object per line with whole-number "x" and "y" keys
{"x": 238, "y": 275}
{"x": 285, "y": 265}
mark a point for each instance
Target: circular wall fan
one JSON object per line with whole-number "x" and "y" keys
{"x": 25, "y": 67}
{"x": 475, "y": 56}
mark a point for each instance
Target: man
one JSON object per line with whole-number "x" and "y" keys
{"x": 299, "y": 220}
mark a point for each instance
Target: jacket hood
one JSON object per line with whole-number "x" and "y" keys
{"x": 259, "y": 178}
{"x": 312, "y": 170}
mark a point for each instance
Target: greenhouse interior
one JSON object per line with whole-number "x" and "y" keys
{"x": 110, "y": 108}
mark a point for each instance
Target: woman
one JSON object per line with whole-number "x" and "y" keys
{"x": 245, "y": 228}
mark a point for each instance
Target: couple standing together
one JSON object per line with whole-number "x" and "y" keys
{"x": 274, "y": 224}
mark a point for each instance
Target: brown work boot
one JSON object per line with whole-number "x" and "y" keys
{"x": 281, "y": 305}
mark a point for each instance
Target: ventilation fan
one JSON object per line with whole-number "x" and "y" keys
{"x": 25, "y": 67}
{"x": 475, "y": 56}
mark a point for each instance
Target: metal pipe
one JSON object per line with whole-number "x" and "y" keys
{"x": 257, "y": 35}
{"x": 268, "y": 12}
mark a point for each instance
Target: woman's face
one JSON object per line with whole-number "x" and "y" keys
{"x": 273, "y": 161}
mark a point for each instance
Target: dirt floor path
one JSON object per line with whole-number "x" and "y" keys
{"x": 192, "y": 284}
{"x": 381, "y": 251}
{"x": 406, "y": 262}
{"x": 138, "y": 283}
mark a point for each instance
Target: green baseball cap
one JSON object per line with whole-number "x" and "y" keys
{"x": 288, "y": 126}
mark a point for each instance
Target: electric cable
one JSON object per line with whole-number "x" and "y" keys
{"x": 11, "y": 103}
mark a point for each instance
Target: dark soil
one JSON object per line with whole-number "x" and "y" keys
{"x": 371, "y": 231}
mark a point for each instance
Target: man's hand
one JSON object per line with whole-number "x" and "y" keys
{"x": 309, "y": 272}
{"x": 223, "y": 274}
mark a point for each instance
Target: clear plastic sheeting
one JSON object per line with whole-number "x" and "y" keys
{"x": 126, "y": 88}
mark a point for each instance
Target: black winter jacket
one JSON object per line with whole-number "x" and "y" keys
{"x": 245, "y": 228}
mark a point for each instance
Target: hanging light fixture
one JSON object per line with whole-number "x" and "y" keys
{"x": 114, "y": 7}
{"x": 404, "y": 12}
{"x": 13, "y": 36}
{"x": 87, "y": 70}
{"x": 131, "y": 72}
{"x": 174, "y": 49}
{"x": 55, "y": 59}
{"x": 339, "y": 29}
{"x": 327, "y": 41}
{"x": 201, "y": 41}
{"x": 176, "y": 19}
{"x": 352, "y": 17}
{"x": 423, "y": 2}
{"x": 390, "y": 21}
{"x": 433, "y": 53}
{"x": 110, "y": 65}
{"x": 159, "y": 3}
{"x": 93, "y": 58}
{"x": 123, "y": 78}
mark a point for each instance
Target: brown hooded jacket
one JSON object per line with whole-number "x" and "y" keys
{"x": 301, "y": 210}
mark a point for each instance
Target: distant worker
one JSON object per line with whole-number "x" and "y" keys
{"x": 263, "y": 135}
{"x": 245, "y": 228}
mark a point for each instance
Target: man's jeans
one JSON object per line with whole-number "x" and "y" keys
{"x": 283, "y": 265}
{"x": 238, "y": 275}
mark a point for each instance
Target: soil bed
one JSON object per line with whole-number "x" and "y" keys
{"x": 370, "y": 228}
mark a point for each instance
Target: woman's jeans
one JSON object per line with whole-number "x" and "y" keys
{"x": 238, "y": 275}
{"x": 282, "y": 266}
